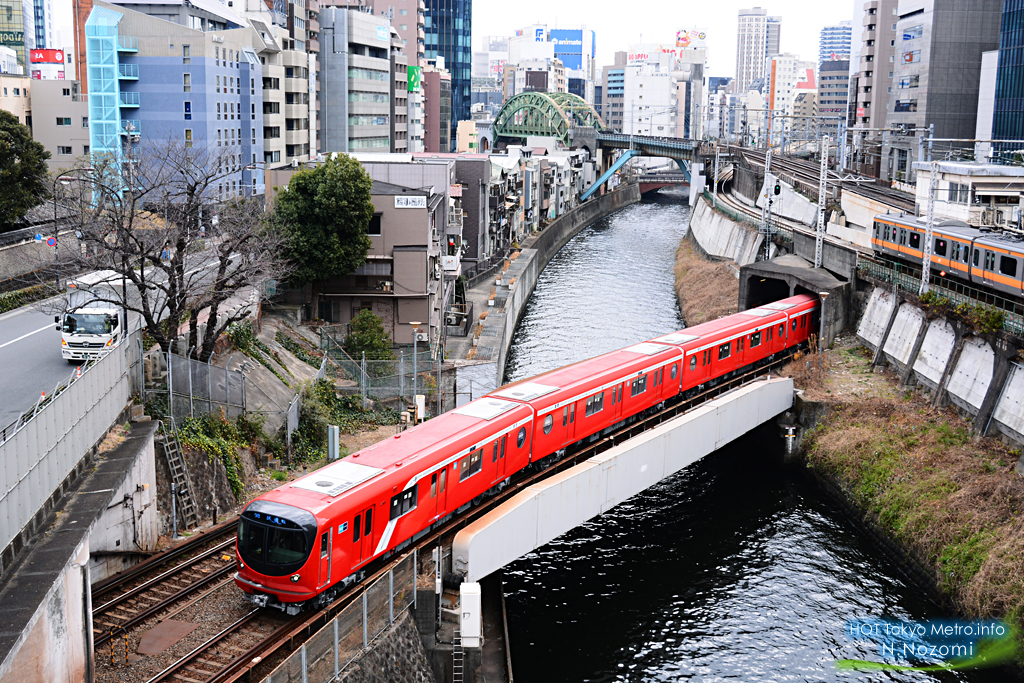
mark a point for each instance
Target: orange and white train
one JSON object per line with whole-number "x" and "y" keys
{"x": 299, "y": 544}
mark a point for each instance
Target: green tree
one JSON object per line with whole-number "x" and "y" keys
{"x": 323, "y": 217}
{"x": 367, "y": 334}
{"x": 23, "y": 171}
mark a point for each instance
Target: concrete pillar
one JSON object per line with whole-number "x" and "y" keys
{"x": 1000, "y": 373}
{"x": 940, "y": 394}
{"x": 907, "y": 378}
{"x": 880, "y": 349}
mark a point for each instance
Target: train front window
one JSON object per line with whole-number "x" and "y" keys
{"x": 286, "y": 546}
{"x": 251, "y": 540}
{"x": 274, "y": 538}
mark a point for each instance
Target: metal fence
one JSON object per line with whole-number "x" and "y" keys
{"x": 43, "y": 447}
{"x": 384, "y": 380}
{"x": 323, "y": 657}
{"x": 190, "y": 387}
{"x": 909, "y": 280}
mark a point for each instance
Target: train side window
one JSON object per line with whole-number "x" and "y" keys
{"x": 521, "y": 437}
{"x": 433, "y": 485}
{"x": 549, "y": 422}
{"x": 782, "y": 329}
{"x": 967, "y": 254}
{"x": 794, "y": 324}
{"x": 441, "y": 480}
{"x": 724, "y": 351}
{"x": 639, "y": 386}
{"x": 494, "y": 455}
{"x": 405, "y": 501}
{"x": 956, "y": 251}
{"x": 940, "y": 247}
{"x": 915, "y": 240}
{"x": 470, "y": 465}
{"x": 755, "y": 339}
{"x": 976, "y": 252}
{"x": 368, "y": 523}
{"x": 502, "y": 454}
{"x": 324, "y": 548}
{"x": 355, "y": 528}
{"x": 674, "y": 369}
{"x": 693, "y": 363}
{"x": 595, "y": 404}
{"x": 572, "y": 413}
{"x": 565, "y": 416}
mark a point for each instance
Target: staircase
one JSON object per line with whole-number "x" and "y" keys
{"x": 458, "y": 658}
{"x": 187, "y": 510}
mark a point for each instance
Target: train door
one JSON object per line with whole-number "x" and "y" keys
{"x": 366, "y": 545}
{"x": 437, "y": 490}
{"x": 325, "y": 559}
{"x": 501, "y": 456}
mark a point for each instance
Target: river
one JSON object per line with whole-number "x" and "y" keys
{"x": 736, "y": 568}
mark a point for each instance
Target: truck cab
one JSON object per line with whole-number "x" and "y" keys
{"x": 90, "y": 325}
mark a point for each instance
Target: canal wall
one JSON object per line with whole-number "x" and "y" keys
{"x": 722, "y": 237}
{"x": 515, "y": 285}
{"x": 949, "y": 360}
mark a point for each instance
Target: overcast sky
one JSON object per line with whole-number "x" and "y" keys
{"x": 619, "y": 24}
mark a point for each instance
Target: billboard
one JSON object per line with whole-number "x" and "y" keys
{"x": 414, "y": 78}
{"x": 47, "y": 56}
{"x": 567, "y": 41}
{"x": 497, "y": 67}
{"x": 691, "y": 38}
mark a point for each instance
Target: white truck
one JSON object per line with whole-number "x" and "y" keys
{"x": 90, "y": 327}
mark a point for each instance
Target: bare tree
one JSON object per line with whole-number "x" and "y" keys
{"x": 157, "y": 216}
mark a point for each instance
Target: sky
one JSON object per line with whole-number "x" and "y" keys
{"x": 620, "y": 24}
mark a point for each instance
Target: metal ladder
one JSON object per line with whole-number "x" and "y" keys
{"x": 179, "y": 475}
{"x": 458, "y": 657}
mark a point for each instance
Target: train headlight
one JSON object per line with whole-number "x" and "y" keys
{"x": 295, "y": 578}
{"x": 241, "y": 565}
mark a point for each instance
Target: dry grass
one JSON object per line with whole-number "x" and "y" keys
{"x": 706, "y": 289}
{"x": 114, "y": 438}
{"x": 810, "y": 370}
{"x": 954, "y": 501}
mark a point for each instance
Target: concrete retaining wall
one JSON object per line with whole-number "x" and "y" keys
{"x": 510, "y": 302}
{"x": 903, "y": 337}
{"x": 721, "y": 237}
{"x": 790, "y": 204}
{"x": 935, "y": 352}
{"x": 548, "y": 509}
{"x": 973, "y": 373}
{"x": 1009, "y": 413}
{"x": 875, "y": 320}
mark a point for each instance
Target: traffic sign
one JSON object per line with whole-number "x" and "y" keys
{"x": 39, "y": 238}
{"x": 51, "y": 241}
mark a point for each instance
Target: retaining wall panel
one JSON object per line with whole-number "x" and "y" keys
{"x": 876, "y": 317}
{"x": 900, "y": 343}
{"x": 1009, "y": 412}
{"x": 969, "y": 382}
{"x": 935, "y": 352}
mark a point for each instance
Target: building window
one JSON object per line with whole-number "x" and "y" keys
{"x": 910, "y": 81}
{"x": 66, "y": 92}
{"x": 186, "y": 54}
{"x": 85, "y": 150}
{"x": 63, "y": 151}
{"x": 63, "y": 120}
{"x": 906, "y": 106}
{"x": 85, "y": 122}
{"x": 218, "y": 84}
{"x": 218, "y": 111}
{"x": 271, "y": 132}
{"x": 188, "y": 111}
{"x": 186, "y": 82}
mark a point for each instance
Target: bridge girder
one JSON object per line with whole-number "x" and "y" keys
{"x": 545, "y": 114}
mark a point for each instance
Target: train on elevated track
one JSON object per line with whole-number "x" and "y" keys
{"x": 305, "y": 541}
{"x": 986, "y": 257}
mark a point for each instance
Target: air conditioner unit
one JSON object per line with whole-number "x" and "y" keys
{"x": 421, "y": 336}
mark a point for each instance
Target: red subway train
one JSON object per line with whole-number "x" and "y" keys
{"x": 301, "y": 543}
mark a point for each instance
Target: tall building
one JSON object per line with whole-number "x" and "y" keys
{"x": 410, "y": 22}
{"x": 157, "y": 80}
{"x": 871, "y": 82}
{"x": 490, "y": 59}
{"x": 613, "y": 82}
{"x": 833, "y": 94}
{"x": 835, "y": 42}
{"x": 574, "y": 50}
{"x": 449, "y": 34}
{"x": 936, "y": 77}
{"x": 787, "y": 78}
{"x": 357, "y": 83}
{"x": 17, "y": 28}
{"x": 1008, "y": 119}
{"x": 437, "y": 108}
{"x": 663, "y": 93}
{"x": 757, "y": 39}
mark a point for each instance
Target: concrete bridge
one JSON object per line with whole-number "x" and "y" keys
{"x": 650, "y": 182}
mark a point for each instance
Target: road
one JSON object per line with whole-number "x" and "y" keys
{"x": 30, "y": 360}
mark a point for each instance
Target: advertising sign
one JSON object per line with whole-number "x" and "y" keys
{"x": 410, "y": 202}
{"x": 691, "y": 38}
{"x": 538, "y": 35}
{"x": 414, "y": 78}
{"x": 383, "y": 33}
{"x": 497, "y": 66}
{"x": 47, "y": 56}
{"x": 570, "y": 41}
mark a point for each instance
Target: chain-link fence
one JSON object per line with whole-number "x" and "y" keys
{"x": 185, "y": 387}
{"x": 323, "y": 657}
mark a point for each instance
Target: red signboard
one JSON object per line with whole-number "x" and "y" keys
{"x": 47, "y": 56}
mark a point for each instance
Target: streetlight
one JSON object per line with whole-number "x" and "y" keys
{"x": 415, "y": 337}
{"x": 63, "y": 179}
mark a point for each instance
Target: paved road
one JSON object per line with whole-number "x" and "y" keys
{"x": 30, "y": 360}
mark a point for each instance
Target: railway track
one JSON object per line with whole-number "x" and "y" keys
{"x": 248, "y": 643}
{"x": 164, "y": 584}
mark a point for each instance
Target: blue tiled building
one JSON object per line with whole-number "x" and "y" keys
{"x": 448, "y": 29}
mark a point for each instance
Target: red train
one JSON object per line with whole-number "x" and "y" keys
{"x": 303, "y": 541}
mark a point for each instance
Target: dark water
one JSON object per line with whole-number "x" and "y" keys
{"x": 736, "y": 568}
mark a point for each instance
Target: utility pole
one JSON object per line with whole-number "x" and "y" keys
{"x": 715, "y": 191}
{"x": 926, "y": 265}
{"x": 819, "y": 237}
{"x": 766, "y": 210}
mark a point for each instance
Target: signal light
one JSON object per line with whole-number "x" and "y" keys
{"x": 778, "y": 188}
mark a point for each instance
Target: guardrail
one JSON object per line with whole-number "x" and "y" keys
{"x": 46, "y": 444}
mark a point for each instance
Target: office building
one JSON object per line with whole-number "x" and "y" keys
{"x": 539, "y": 75}
{"x": 407, "y": 17}
{"x": 773, "y": 36}
{"x": 18, "y": 27}
{"x": 16, "y": 97}
{"x": 489, "y": 61}
{"x": 449, "y": 32}
{"x": 1008, "y": 117}
{"x": 62, "y": 124}
{"x": 155, "y": 80}
{"x": 833, "y": 94}
{"x": 437, "y": 108}
{"x": 835, "y": 42}
{"x": 757, "y": 39}
{"x": 871, "y": 82}
{"x": 573, "y": 49}
{"x": 936, "y": 77}
{"x": 663, "y": 90}
{"x": 787, "y": 77}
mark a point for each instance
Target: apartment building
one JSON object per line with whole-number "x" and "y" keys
{"x": 437, "y": 108}
{"x": 757, "y": 39}
{"x": 833, "y": 94}
{"x": 62, "y": 125}
{"x": 613, "y": 84}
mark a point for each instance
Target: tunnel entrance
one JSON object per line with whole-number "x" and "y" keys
{"x": 762, "y": 290}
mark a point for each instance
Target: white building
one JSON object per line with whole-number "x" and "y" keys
{"x": 786, "y": 77}
{"x": 835, "y": 42}
{"x": 757, "y": 38}
{"x": 664, "y": 90}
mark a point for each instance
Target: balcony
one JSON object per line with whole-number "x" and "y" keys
{"x": 130, "y": 99}
{"x": 128, "y": 72}
{"x": 131, "y": 127}
{"x": 127, "y": 44}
